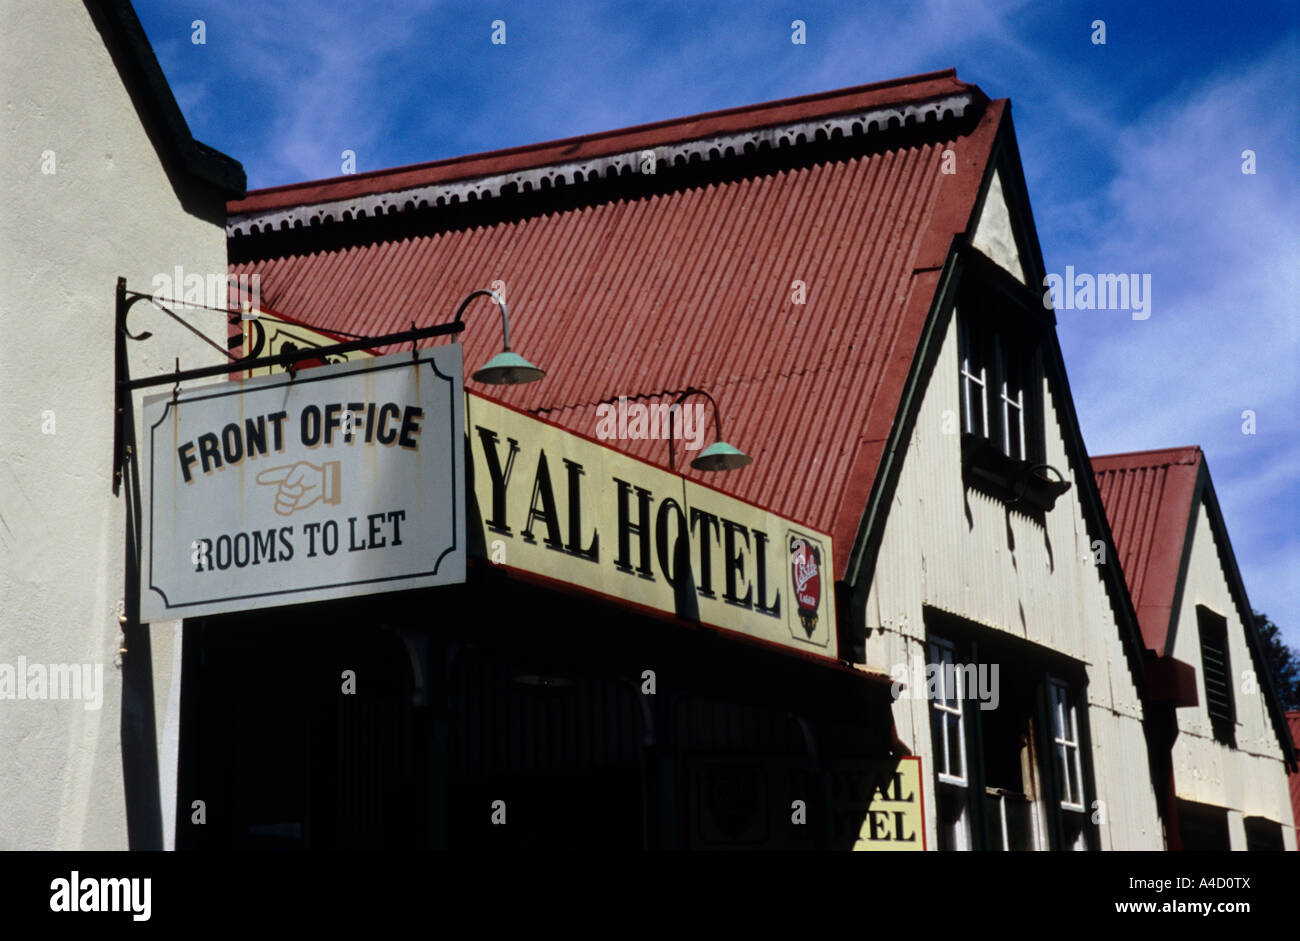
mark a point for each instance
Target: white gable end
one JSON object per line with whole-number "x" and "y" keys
{"x": 994, "y": 236}
{"x": 950, "y": 549}
{"x": 1249, "y": 780}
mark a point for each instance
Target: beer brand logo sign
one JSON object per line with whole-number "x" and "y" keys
{"x": 805, "y": 570}
{"x": 879, "y": 804}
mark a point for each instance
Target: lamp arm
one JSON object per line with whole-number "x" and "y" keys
{"x": 672, "y": 414}
{"x": 500, "y": 302}
{"x": 717, "y": 416}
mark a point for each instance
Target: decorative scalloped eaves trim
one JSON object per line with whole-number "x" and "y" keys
{"x": 562, "y": 174}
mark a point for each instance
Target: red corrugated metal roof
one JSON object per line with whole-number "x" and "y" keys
{"x": 1148, "y": 500}
{"x": 691, "y": 286}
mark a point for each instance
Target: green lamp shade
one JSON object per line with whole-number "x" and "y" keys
{"x": 507, "y": 369}
{"x": 720, "y": 456}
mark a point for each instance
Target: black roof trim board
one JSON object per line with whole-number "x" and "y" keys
{"x": 145, "y": 81}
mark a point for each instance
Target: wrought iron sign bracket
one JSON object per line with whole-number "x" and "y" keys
{"x": 123, "y": 443}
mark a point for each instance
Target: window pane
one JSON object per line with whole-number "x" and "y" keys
{"x": 974, "y": 386}
{"x": 993, "y": 837}
{"x": 954, "y": 746}
{"x": 984, "y": 402}
{"x": 953, "y": 832}
{"x": 1020, "y": 426}
{"x": 940, "y": 741}
{"x": 1074, "y": 832}
{"x": 970, "y": 404}
{"x": 1000, "y": 381}
{"x": 1072, "y": 767}
{"x": 951, "y": 687}
{"x": 1020, "y": 828}
{"x": 940, "y": 653}
{"x": 1062, "y": 713}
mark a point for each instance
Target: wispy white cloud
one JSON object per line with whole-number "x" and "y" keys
{"x": 1224, "y": 331}
{"x": 324, "y": 70}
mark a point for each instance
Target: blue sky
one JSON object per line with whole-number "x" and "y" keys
{"x": 1132, "y": 152}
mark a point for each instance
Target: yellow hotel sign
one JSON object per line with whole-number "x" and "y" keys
{"x": 556, "y": 504}
{"x": 894, "y": 818}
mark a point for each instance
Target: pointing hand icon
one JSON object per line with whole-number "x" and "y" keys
{"x": 301, "y": 485}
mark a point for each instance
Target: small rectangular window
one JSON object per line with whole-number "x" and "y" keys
{"x": 948, "y": 735}
{"x": 1217, "y": 671}
{"x": 996, "y": 367}
{"x": 946, "y": 717}
{"x": 1065, "y": 739}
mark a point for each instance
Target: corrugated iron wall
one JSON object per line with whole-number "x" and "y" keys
{"x": 956, "y": 550}
{"x": 1250, "y": 778}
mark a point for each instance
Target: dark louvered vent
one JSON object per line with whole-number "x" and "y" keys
{"x": 1218, "y": 673}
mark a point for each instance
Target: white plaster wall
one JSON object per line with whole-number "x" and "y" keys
{"x": 1250, "y": 779}
{"x": 1041, "y": 585}
{"x": 108, "y": 210}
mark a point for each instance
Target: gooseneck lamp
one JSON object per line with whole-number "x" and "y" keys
{"x": 719, "y": 456}
{"x": 507, "y": 368}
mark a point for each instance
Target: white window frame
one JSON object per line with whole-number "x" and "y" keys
{"x": 1065, "y": 739}
{"x": 1009, "y": 403}
{"x": 970, "y": 378}
{"x": 943, "y": 654}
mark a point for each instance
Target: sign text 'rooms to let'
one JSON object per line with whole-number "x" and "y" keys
{"x": 343, "y": 480}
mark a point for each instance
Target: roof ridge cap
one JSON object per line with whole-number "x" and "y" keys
{"x": 1177, "y": 457}
{"x": 484, "y": 175}
{"x": 573, "y": 139}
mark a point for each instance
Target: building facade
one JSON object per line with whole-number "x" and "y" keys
{"x": 915, "y": 621}
{"x": 1231, "y": 748}
{"x": 104, "y": 181}
{"x": 877, "y": 246}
